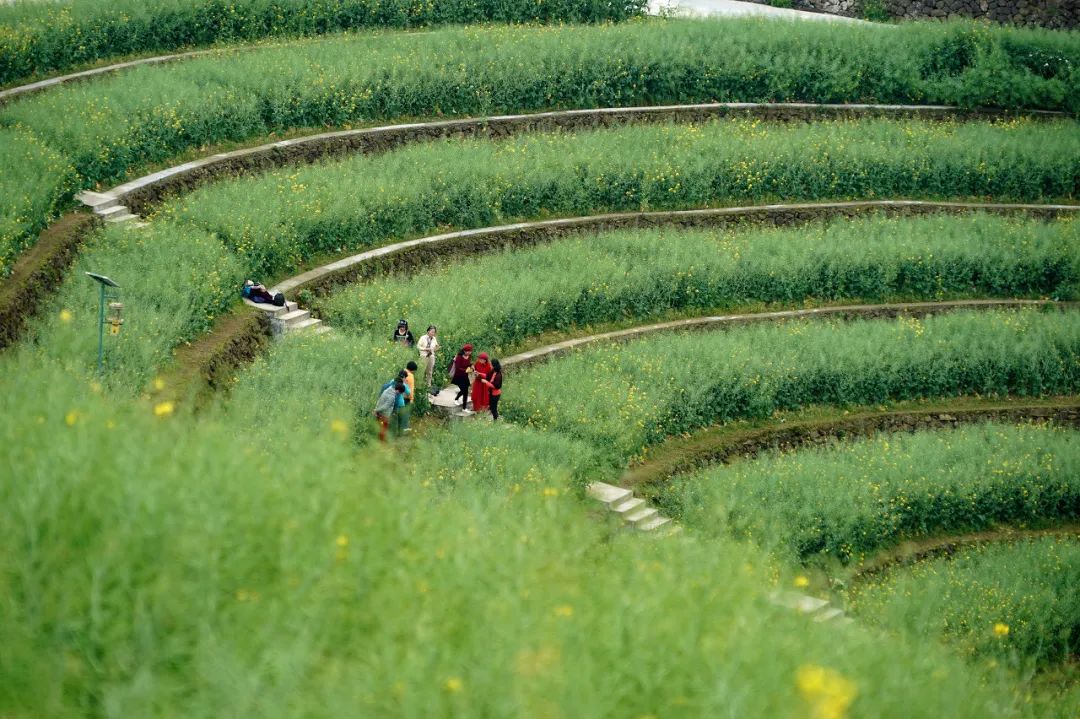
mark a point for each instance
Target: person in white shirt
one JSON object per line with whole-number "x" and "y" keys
{"x": 428, "y": 346}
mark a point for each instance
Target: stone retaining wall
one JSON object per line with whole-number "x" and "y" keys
{"x": 1056, "y": 14}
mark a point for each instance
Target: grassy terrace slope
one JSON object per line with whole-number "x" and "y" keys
{"x": 38, "y": 38}
{"x": 627, "y": 397}
{"x": 848, "y": 501}
{"x": 1016, "y": 602}
{"x": 636, "y": 275}
{"x": 181, "y": 272}
{"x": 102, "y": 130}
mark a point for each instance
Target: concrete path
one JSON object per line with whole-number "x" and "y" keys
{"x": 733, "y": 8}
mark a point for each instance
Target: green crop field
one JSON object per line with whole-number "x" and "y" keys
{"x": 594, "y": 279}
{"x": 209, "y": 527}
{"x": 1016, "y": 602}
{"x": 850, "y": 501}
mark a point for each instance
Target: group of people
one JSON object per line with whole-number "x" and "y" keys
{"x": 483, "y": 377}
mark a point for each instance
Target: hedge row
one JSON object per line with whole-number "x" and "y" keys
{"x": 627, "y": 397}
{"x": 43, "y": 37}
{"x": 278, "y": 220}
{"x": 500, "y": 300}
{"x": 848, "y": 501}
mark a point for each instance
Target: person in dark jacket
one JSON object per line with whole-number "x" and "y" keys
{"x": 459, "y": 374}
{"x": 403, "y": 334}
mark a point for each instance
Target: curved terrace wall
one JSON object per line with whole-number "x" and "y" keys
{"x": 139, "y": 194}
{"x": 1053, "y": 14}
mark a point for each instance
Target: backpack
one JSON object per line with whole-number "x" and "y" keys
{"x": 279, "y": 300}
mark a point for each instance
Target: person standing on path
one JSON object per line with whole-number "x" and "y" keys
{"x": 480, "y": 393}
{"x": 384, "y": 407}
{"x": 493, "y": 382}
{"x": 428, "y": 346}
{"x": 459, "y": 375}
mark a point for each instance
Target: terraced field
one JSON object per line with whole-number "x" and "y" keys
{"x": 208, "y": 527}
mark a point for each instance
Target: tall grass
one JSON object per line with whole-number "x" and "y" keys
{"x": 276, "y": 220}
{"x": 848, "y": 501}
{"x": 43, "y": 37}
{"x": 1026, "y": 591}
{"x": 156, "y": 565}
{"x": 500, "y": 300}
{"x": 626, "y": 397}
{"x": 34, "y": 182}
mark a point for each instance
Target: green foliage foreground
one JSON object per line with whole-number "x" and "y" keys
{"x": 848, "y": 501}
{"x": 156, "y": 566}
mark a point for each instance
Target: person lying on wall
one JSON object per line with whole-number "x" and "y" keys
{"x": 258, "y": 293}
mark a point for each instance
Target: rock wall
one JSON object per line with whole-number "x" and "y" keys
{"x": 1057, "y": 14}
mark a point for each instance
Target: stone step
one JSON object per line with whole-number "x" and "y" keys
{"x": 272, "y": 310}
{"x": 828, "y": 614}
{"x": 627, "y": 505}
{"x": 609, "y": 494}
{"x": 120, "y": 217}
{"x": 112, "y": 211}
{"x": 655, "y": 523}
{"x": 294, "y": 317}
{"x": 98, "y": 201}
{"x": 300, "y": 326}
{"x": 640, "y": 515}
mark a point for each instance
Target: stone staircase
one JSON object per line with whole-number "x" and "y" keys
{"x": 290, "y": 318}
{"x": 108, "y": 208}
{"x": 634, "y": 511}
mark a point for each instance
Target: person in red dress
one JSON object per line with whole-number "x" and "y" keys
{"x": 481, "y": 393}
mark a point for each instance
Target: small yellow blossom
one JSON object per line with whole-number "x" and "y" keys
{"x": 564, "y": 610}
{"x": 342, "y": 541}
{"x": 551, "y": 492}
{"x": 338, "y": 426}
{"x": 801, "y": 582}
{"x": 454, "y": 685}
{"x": 71, "y": 418}
{"x": 159, "y": 384}
{"x": 828, "y": 693}
{"x": 164, "y": 409}
{"x": 66, "y": 316}
{"x": 1001, "y": 630}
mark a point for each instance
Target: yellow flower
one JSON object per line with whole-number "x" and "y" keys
{"x": 453, "y": 685}
{"x": 564, "y": 610}
{"x": 342, "y": 541}
{"x": 1001, "y": 630}
{"x": 339, "y": 427}
{"x": 71, "y": 418}
{"x": 159, "y": 384}
{"x": 164, "y": 409}
{"x": 828, "y": 693}
{"x": 801, "y": 581}
{"x": 551, "y": 492}
{"x": 66, "y": 316}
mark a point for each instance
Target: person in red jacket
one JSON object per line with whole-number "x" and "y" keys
{"x": 480, "y": 391}
{"x": 493, "y": 383}
{"x": 459, "y": 374}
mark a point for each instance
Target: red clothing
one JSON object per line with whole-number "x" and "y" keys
{"x": 461, "y": 367}
{"x": 481, "y": 392}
